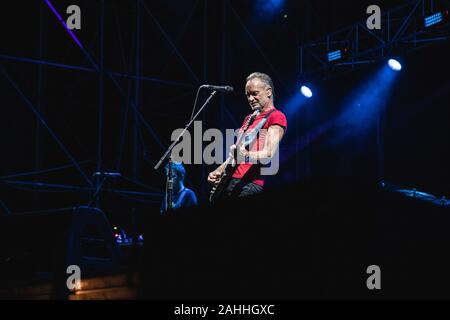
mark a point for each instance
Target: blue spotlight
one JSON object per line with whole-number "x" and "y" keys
{"x": 433, "y": 19}
{"x": 295, "y": 103}
{"x": 394, "y": 65}
{"x": 271, "y": 6}
{"x": 306, "y": 91}
{"x": 365, "y": 102}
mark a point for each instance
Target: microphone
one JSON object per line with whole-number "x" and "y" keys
{"x": 218, "y": 88}
{"x": 107, "y": 174}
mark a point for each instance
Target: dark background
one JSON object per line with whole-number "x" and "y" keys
{"x": 188, "y": 43}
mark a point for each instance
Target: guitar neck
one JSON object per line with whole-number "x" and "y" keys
{"x": 226, "y": 164}
{"x": 249, "y": 121}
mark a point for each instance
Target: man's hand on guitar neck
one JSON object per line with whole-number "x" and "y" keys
{"x": 215, "y": 176}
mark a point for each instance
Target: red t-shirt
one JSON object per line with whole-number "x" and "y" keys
{"x": 251, "y": 172}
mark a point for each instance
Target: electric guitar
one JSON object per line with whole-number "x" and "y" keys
{"x": 230, "y": 164}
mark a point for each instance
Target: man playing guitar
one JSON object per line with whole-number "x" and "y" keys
{"x": 245, "y": 178}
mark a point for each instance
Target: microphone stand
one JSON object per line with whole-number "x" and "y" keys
{"x": 169, "y": 150}
{"x": 169, "y": 187}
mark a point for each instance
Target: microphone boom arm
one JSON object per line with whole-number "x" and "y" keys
{"x": 169, "y": 150}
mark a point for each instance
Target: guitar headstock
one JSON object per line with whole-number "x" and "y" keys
{"x": 255, "y": 113}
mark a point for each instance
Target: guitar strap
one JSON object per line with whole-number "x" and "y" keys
{"x": 251, "y": 136}
{"x": 247, "y": 139}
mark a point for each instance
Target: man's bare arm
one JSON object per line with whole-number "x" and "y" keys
{"x": 273, "y": 137}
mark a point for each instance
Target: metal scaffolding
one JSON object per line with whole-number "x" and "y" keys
{"x": 402, "y": 31}
{"x": 96, "y": 65}
{"x": 99, "y": 68}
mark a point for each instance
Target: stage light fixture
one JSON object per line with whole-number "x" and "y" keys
{"x": 394, "y": 65}
{"x": 306, "y": 91}
{"x": 433, "y": 19}
{"x": 334, "y": 55}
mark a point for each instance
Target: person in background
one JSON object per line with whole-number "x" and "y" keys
{"x": 182, "y": 197}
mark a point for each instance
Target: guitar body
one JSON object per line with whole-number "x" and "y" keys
{"x": 217, "y": 192}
